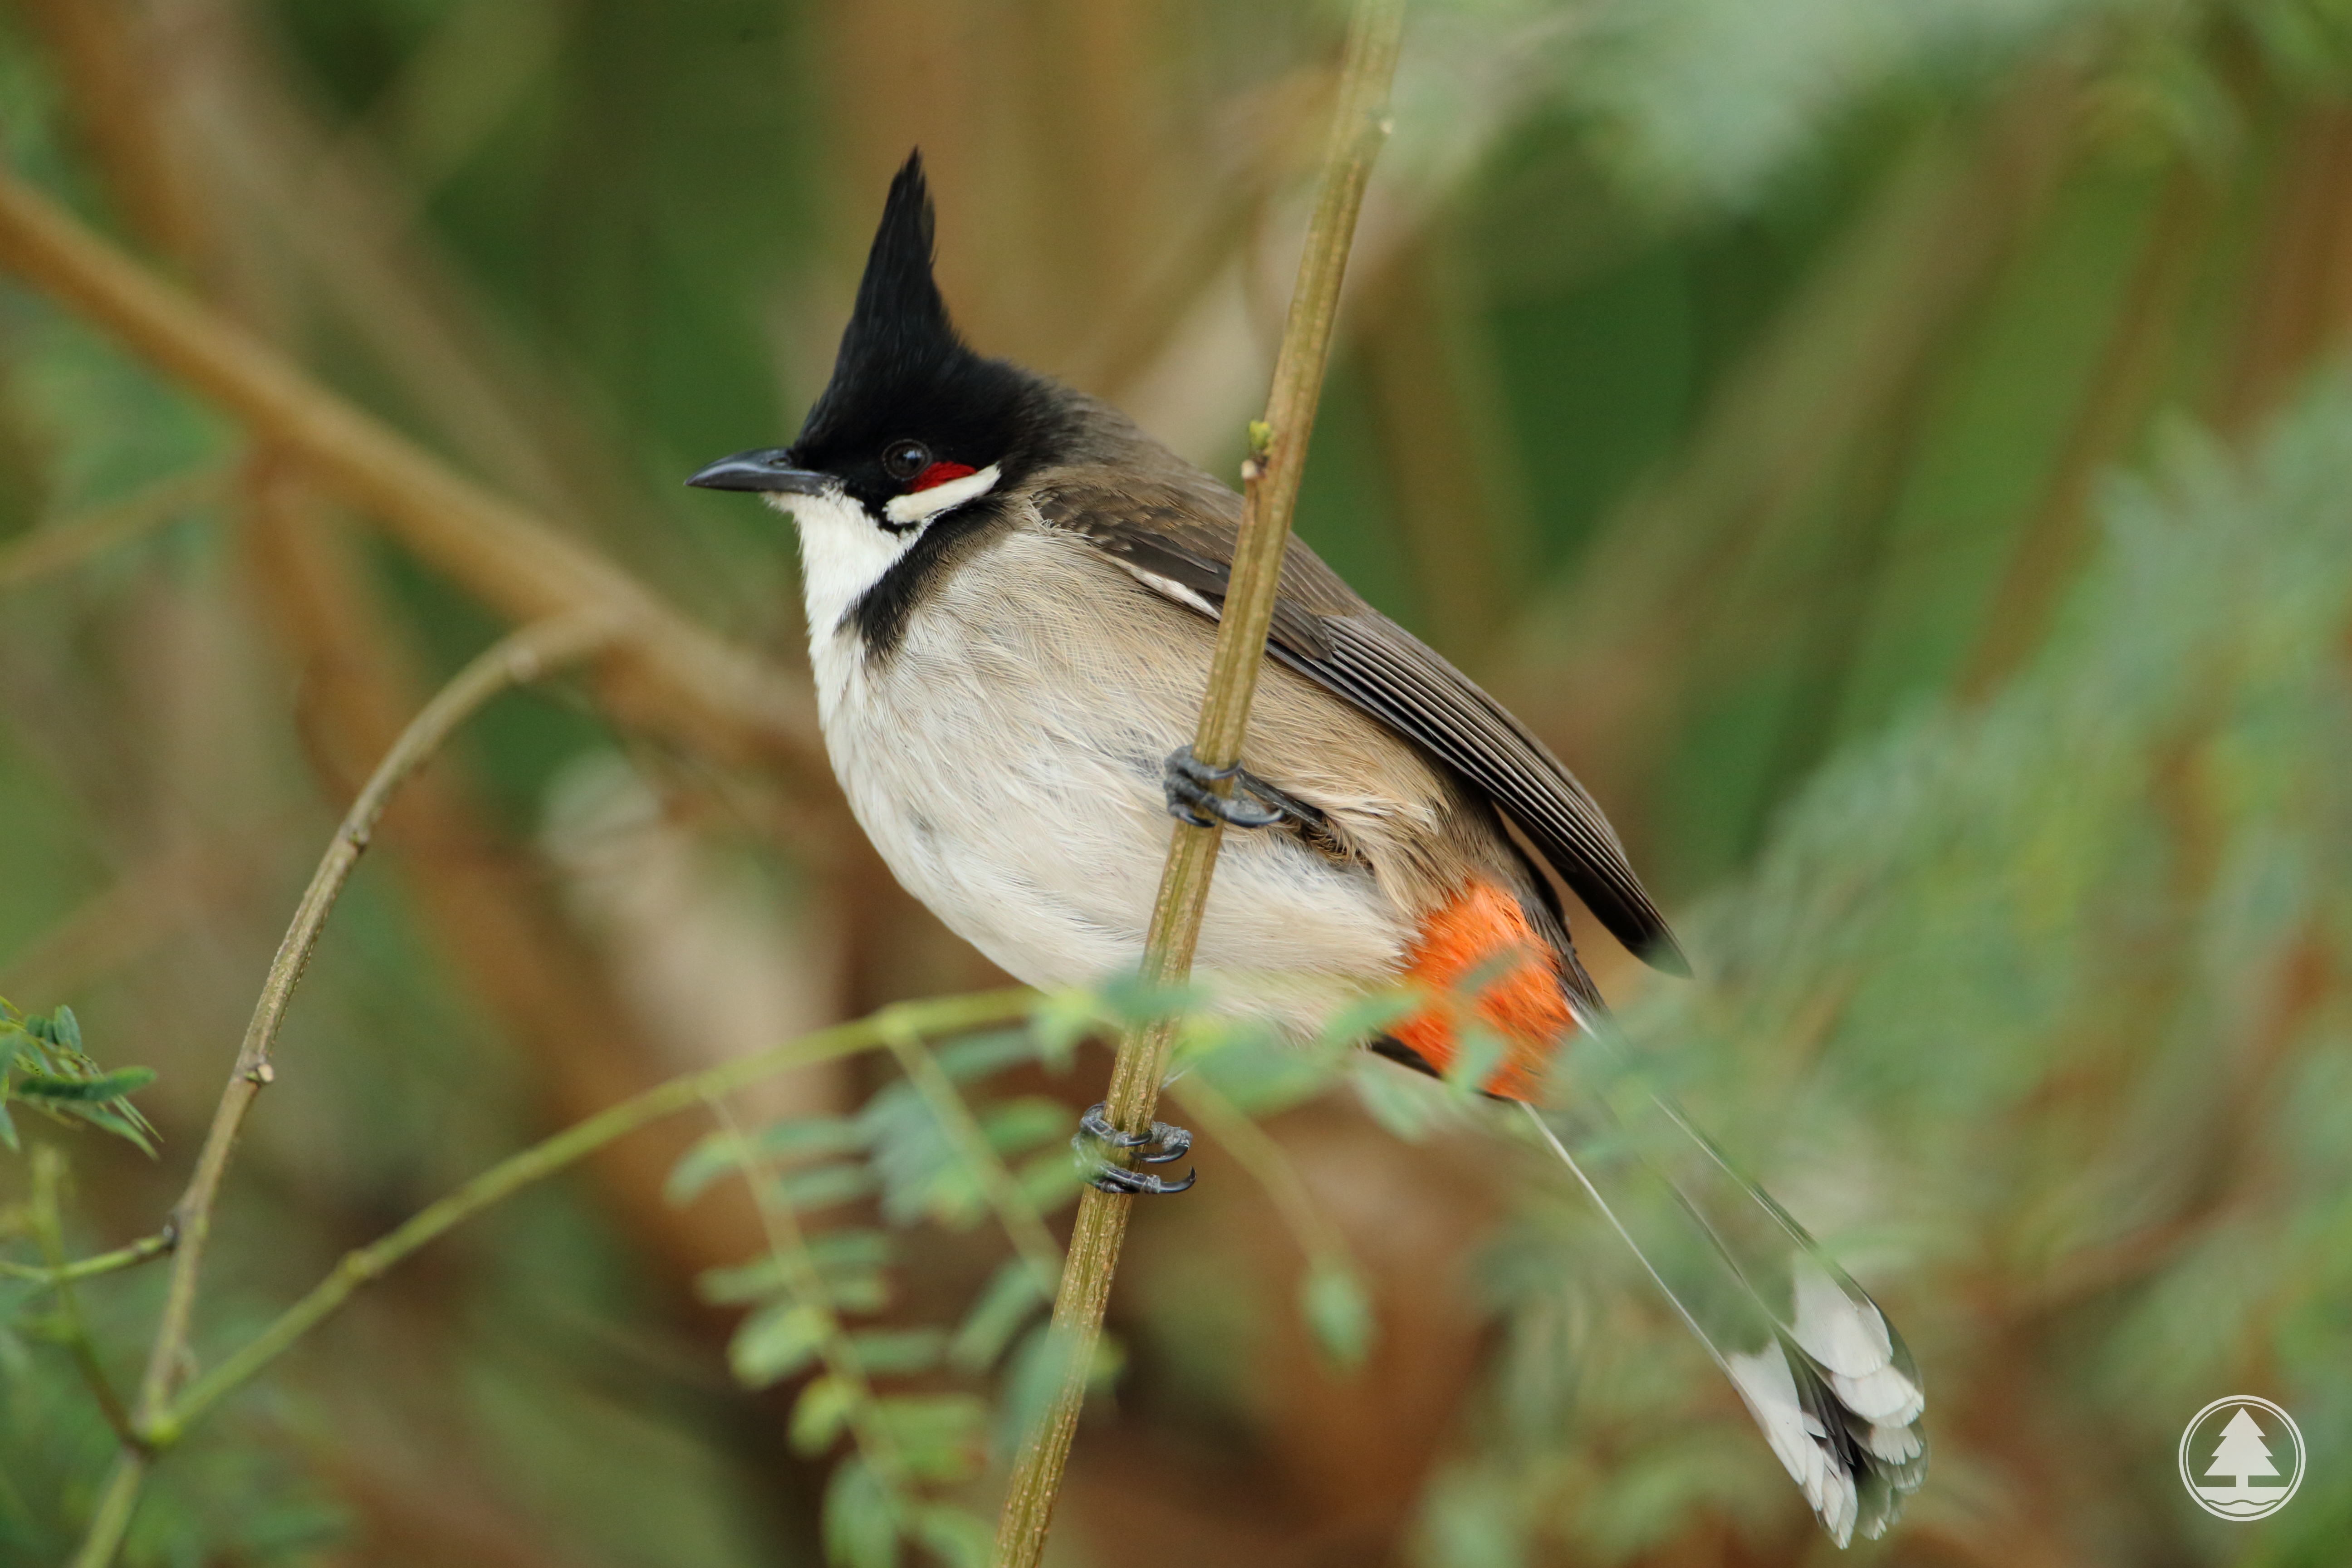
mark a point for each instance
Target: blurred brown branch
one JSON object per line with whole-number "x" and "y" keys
{"x": 2056, "y": 538}
{"x": 668, "y": 675}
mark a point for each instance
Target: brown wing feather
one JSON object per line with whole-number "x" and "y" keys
{"x": 1177, "y": 537}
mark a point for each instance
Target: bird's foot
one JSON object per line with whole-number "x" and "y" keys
{"x": 1191, "y": 783}
{"x": 1160, "y": 1145}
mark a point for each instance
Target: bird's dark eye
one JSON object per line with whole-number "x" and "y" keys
{"x": 904, "y": 459}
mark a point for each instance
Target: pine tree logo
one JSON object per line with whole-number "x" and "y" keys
{"x": 2242, "y": 1458}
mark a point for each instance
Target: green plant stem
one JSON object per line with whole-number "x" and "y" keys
{"x": 1269, "y": 488}
{"x": 943, "y": 1015}
{"x": 1022, "y": 1225}
{"x": 1255, "y": 1151}
{"x": 48, "y": 1226}
{"x": 788, "y": 1246}
{"x": 111, "y": 1519}
{"x": 145, "y": 1251}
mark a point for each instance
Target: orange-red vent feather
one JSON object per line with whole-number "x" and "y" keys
{"x": 1484, "y": 929}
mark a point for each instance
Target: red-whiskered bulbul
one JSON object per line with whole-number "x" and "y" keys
{"x": 1011, "y": 593}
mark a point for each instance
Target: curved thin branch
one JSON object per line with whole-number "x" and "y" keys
{"x": 519, "y": 658}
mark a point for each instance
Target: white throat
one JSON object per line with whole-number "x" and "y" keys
{"x": 845, "y": 552}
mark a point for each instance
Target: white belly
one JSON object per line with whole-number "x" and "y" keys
{"x": 1010, "y": 775}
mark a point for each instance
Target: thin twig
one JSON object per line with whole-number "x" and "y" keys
{"x": 146, "y": 1249}
{"x": 1259, "y": 1153}
{"x": 1270, "y": 486}
{"x": 70, "y": 541}
{"x": 1023, "y": 1225}
{"x": 677, "y": 679}
{"x": 48, "y": 1227}
{"x": 520, "y": 656}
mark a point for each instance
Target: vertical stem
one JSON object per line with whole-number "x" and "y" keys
{"x": 49, "y": 1224}
{"x": 111, "y": 1520}
{"x": 1270, "y": 487}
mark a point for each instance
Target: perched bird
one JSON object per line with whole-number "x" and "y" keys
{"x": 1012, "y": 594}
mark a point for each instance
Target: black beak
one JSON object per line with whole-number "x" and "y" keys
{"x": 768, "y": 469}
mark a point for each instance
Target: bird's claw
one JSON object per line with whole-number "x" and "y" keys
{"x": 1189, "y": 785}
{"x": 1157, "y": 1146}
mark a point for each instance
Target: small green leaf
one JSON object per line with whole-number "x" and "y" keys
{"x": 955, "y": 1536}
{"x": 1062, "y": 1020}
{"x": 1050, "y": 1178}
{"x": 890, "y": 1352}
{"x": 714, "y": 1154}
{"x": 825, "y": 1186}
{"x": 977, "y": 1057}
{"x": 66, "y": 1029}
{"x": 854, "y": 1291}
{"x": 851, "y": 1247}
{"x": 84, "y": 1090}
{"x": 1372, "y": 1014}
{"x": 9, "y": 1128}
{"x": 1331, "y": 1298}
{"x": 1012, "y": 1296}
{"x": 940, "y": 1438}
{"x": 820, "y": 1413}
{"x": 1035, "y": 1375}
{"x": 777, "y": 1342}
{"x": 1017, "y": 1126}
{"x": 740, "y": 1282}
{"x": 861, "y": 1519}
{"x": 1131, "y": 1001}
{"x": 1479, "y": 1054}
{"x": 1264, "y": 1077}
{"x": 849, "y": 1265}
{"x": 1031, "y": 1381}
{"x": 1406, "y": 1102}
{"x": 806, "y": 1137}
{"x": 109, "y": 1119}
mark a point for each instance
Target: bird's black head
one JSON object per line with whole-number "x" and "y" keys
{"x": 911, "y": 409}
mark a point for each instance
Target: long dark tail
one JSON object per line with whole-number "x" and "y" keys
{"x": 1825, "y": 1374}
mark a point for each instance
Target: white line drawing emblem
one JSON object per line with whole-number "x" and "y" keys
{"x": 2242, "y": 1458}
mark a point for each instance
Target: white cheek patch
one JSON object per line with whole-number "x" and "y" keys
{"x": 924, "y": 505}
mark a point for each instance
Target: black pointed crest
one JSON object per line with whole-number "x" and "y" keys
{"x": 898, "y": 336}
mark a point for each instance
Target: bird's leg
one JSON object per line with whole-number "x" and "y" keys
{"x": 1157, "y": 1146}
{"x": 1191, "y": 783}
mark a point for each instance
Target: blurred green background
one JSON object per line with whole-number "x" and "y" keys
{"x": 1895, "y": 454}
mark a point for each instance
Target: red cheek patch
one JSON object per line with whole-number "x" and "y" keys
{"x": 940, "y": 474}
